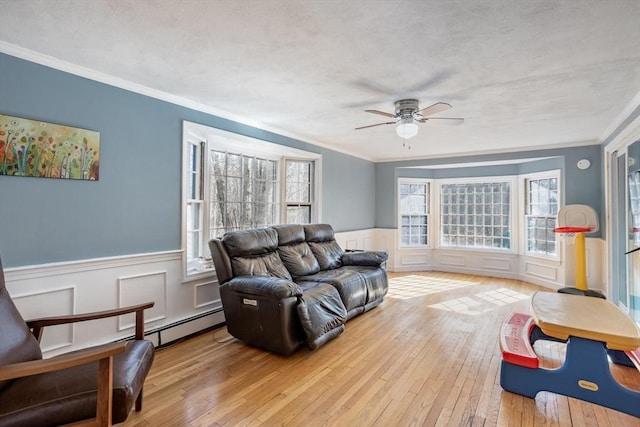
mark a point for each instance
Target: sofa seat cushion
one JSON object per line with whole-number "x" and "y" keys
{"x": 35, "y": 400}
{"x": 376, "y": 280}
{"x": 321, "y": 313}
{"x": 349, "y": 282}
{"x": 264, "y": 286}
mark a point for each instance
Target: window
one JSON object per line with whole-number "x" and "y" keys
{"x": 475, "y": 215}
{"x": 243, "y": 192}
{"x": 541, "y": 211}
{"x": 414, "y": 213}
{"x": 298, "y": 191}
{"x": 232, "y": 182}
{"x": 194, "y": 202}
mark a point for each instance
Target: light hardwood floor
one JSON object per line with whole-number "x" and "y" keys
{"x": 427, "y": 356}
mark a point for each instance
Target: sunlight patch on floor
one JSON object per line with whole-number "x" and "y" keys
{"x": 502, "y": 296}
{"x": 418, "y": 286}
{"x": 477, "y": 303}
{"x": 464, "y": 305}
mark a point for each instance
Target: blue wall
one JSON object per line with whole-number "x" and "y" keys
{"x": 135, "y": 206}
{"x": 580, "y": 186}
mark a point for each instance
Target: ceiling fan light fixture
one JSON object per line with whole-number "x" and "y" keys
{"x": 406, "y": 128}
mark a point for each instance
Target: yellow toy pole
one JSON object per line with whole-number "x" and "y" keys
{"x": 581, "y": 263}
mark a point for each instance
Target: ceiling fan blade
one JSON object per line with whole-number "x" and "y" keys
{"x": 382, "y": 113}
{"x": 428, "y": 83}
{"x": 449, "y": 121}
{"x": 374, "y": 87}
{"x": 435, "y": 108}
{"x": 377, "y": 124}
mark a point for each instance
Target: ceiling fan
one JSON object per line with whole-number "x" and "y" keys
{"x": 408, "y": 114}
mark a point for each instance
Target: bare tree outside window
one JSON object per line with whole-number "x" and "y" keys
{"x": 243, "y": 192}
{"x": 298, "y": 191}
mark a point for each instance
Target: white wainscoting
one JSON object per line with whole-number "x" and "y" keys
{"x": 185, "y": 308}
{"x": 101, "y": 284}
{"x": 542, "y": 271}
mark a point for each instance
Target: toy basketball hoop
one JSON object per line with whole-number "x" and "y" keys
{"x": 569, "y": 233}
{"x": 574, "y": 221}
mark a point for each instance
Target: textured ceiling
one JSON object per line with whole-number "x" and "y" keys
{"x": 523, "y": 73}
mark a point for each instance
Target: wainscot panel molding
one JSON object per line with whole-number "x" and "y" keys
{"x": 595, "y": 256}
{"x": 98, "y": 284}
{"x": 547, "y": 272}
{"x": 52, "y": 302}
{"x": 542, "y": 272}
{"x": 452, "y": 260}
{"x": 138, "y": 289}
{"x": 206, "y": 295}
{"x": 412, "y": 260}
{"x": 372, "y": 239}
{"x": 494, "y": 263}
{"x": 476, "y": 262}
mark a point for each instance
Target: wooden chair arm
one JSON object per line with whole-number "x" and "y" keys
{"x": 103, "y": 354}
{"x": 41, "y": 366}
{"x": 37, "y": 325}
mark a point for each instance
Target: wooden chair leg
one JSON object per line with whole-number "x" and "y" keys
{"x": 104, "y": 398}
{"x": 139, "y": 401}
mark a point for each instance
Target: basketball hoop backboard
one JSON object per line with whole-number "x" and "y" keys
{"x": 578, "y": 216}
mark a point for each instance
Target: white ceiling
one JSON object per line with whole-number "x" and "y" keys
{"x": 523, "y": 73}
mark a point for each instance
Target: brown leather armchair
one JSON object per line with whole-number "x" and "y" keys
{"x": 94, "y": 386}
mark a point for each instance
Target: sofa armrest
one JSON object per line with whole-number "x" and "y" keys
{"x": 267, "y": 286}
{"x": 367, "y": 258}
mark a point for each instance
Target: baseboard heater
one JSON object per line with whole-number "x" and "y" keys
{"x": 158, "y": 331}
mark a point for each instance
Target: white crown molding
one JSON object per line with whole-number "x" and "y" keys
{"x": 88, "y": 73}
{"x": 496, "y": 151}
{"x": 624, "y": 114}
{"x": 626, "y": 136}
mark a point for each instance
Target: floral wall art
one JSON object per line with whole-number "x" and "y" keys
{"x": 47, "y": 150}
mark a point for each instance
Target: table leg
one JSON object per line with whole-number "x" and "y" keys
{"x": 585, "y": 375}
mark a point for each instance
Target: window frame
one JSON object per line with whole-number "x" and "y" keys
{"x": 193, "y": 170}
{"x": 524, "y": 206}
{"x": 208, "y": 139}
{"x": 285, "y": 204}
{"x": 429, "y": 214}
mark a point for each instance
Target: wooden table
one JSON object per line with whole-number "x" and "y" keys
{"x": 590, "y": 327}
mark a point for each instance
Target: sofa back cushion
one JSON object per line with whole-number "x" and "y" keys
{"x": 294, "y": 252}
{"x": 321, "y": 240}
{"x": 17, "y": 343}
{"x": 255, "y": 253}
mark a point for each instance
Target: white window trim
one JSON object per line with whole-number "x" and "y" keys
{"x": 430, "y": 215}
{"x": 522, "y": 212}
{"x": 315, "y": 187}
{"x": 218, "y": 139}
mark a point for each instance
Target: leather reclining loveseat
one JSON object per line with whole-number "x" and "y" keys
{"x": 286, "y": 285}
